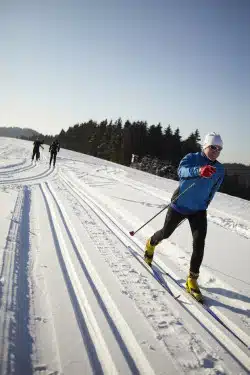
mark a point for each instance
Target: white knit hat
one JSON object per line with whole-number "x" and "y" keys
{"x": 212, "y": 139}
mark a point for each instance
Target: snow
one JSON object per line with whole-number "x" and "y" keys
{"x": 75, "y": 295}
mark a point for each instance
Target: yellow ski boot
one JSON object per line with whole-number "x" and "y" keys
{"x": 149, "y": 252}
{"x": 192, "y": 286}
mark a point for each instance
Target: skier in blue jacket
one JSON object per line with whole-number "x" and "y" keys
{"x": 205, "y": 173}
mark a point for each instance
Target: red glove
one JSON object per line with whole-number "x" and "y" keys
{"x": 207, "y": 171}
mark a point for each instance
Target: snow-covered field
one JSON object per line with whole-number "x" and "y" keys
{"x": 75, "y": 295}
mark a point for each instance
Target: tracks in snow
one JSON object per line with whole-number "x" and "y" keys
{"x": 108, "y": 342}
{"x": 72, "y": 254}
{"x": 28, "y": 179}
{"x": 21, "y": 168}
{"x": 15, "y": 340}
{"x": 117, "y": 258}
{"x": 235, "y": 305}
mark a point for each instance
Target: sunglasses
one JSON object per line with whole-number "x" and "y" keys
{"x": 215, "y": 148}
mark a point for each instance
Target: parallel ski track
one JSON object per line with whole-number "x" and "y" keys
{"x": 5, "y": 150}
{"x": 15, "y": 341}
{"x": 7, "y": 281}
{"x": 185, "y": 354}
{"x": 164, "y": 270}
{"x": 16, "y": 170}
{"x": 9, "y": 166}
{"x": 56, "y": 210}
{"x": 27, "y": 179}
{"x": 222, "y": 334}
{"x": 227, "y": 222}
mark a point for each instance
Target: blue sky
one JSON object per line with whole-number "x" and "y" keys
{"x": 180, "y": 62}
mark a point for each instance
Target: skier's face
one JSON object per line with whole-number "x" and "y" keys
{"x": 212, "y": 152}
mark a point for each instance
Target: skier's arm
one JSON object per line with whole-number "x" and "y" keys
{"x": 187, "y": 169}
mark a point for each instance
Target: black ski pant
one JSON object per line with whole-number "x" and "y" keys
{"x": 198, "y": 225}
{"x": 36, "y": 154}
{"x": 53, "y": 157}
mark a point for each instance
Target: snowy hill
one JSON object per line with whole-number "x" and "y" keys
{"x": 16, "y": 132}
{"x": 75, "y": 295}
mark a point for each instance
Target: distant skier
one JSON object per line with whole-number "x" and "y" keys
{"x": 36, "y": 148}
{"x": 54, "y": 149}
{"x": 207, "y": 173}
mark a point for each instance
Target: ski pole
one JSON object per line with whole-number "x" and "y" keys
{"x": 132, "y": 233}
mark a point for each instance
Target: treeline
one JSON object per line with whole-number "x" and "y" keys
{"x": 117, "y": 142}
{"x": 237, "y": 180}
{"x": 156, "y": 150}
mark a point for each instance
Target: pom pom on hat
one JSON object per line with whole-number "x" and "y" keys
{"x": 212, "y": 139}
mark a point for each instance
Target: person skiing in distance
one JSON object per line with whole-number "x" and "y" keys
{"x": 54, "y": 149}
{"x": 36, "y": 148}
{"x": 203, "y": 169}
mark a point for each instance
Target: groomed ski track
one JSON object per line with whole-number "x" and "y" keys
{"x": 15, "y": 340}
{"x": 209, "y": 324}
{"x": 58, "y": 313}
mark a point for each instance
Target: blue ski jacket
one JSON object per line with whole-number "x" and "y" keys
{"x": 198, "y": 197}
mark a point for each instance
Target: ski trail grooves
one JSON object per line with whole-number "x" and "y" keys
{"x": 88, "y": 314}
{"x": 15, "y": 340}
{"x": 27, "y": 179}
{"x": 100, "y": 345}
{"x": 134, "y": 348}
{"x": 7, "y": 277}
{"x": 215, "y": 329}
{"x": 159, "y": 318}
{"x": 38, "y": 286}
{"x": 80, "y": 186}
{"x": 17, "y": 170}
{"x": 2, "y": 151}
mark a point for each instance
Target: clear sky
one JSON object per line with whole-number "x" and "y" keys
{"x": 180, "y": 62}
